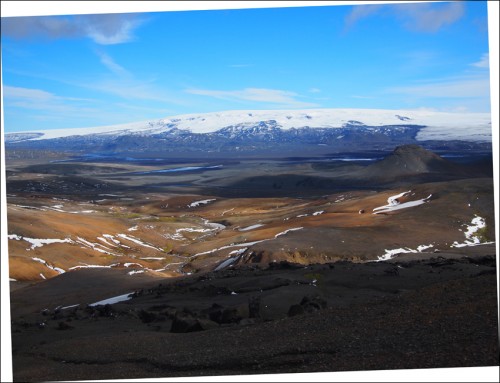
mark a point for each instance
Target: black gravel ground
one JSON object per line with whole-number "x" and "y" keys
{"x": 430, "y": 313}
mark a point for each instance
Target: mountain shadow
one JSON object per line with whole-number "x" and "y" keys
{"x": 407, "y": 164}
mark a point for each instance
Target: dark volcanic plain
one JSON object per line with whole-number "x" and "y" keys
{"x": 248, "y": 266}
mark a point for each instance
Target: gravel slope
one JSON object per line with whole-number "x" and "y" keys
{"x": 430, "y": 313}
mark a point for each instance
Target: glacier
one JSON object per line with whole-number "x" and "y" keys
{"x": 441, "y": 126}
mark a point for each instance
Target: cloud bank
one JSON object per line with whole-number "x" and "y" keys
{"x": 103, "y": 29}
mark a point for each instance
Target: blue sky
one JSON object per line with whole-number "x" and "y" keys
{"x": 90, "y": 70}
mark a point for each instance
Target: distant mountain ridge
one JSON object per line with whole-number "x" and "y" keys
{"x": 290, "y": 131}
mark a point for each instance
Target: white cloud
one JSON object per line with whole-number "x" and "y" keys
{"x": 104, "y": 29}
{"x": 108, "y": 29}
{"x": 18, "y": 93}
{"x": 315, "y": 90}
{"x": 273, "y": 96}
{"x": 426, "y": 17}
{"x": 484, "y": 62}
{"x": 420, "y": 17}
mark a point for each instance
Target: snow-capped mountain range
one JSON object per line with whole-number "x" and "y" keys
{"x": 328, "y": 127}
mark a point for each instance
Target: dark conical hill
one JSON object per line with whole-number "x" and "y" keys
{"x": 411, "y": 160}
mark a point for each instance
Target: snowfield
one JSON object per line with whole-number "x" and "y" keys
{"x": 441, "y": 126}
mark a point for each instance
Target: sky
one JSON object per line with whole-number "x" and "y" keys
{"x": 74, "y": 71}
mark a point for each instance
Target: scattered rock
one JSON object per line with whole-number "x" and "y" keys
{"x": 207, "y": 324}
{"x": 235, "y": 314}
{"x": 147, "y": 316}
{"x": 184, "y": 322}
{"x": 214, "y": 313}
{"x": 296, "y": 310}
{"x": 307, "y": 305}
{"x": 311, "y": 304}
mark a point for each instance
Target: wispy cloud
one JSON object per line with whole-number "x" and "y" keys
{"x": 35, "y": 95}
{"x": 125, "y": 84}
{"x": 419, "y": 17}
{"x": 109, "y": 63}
{"x": 473, "y": 83}
{"x": 360, "y": 12}
{"x": 271, "y": 96}
{"x": 462, "y": 87}
{"x": 314, "y": 90}
{"x": 484, "y": 62}
{"x": 46, "y": 103}
{"x": 104, "y": 29}
{"x": 426, "y": 17}
{"x": 130, "y": 89}
{"x": 40, "y": 106}
{"x": 18, "y": 93}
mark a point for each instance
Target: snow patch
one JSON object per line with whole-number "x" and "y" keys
{"x": 251, "y": 227}
{"x": 113, "y": 300}
{"x": 90, "y": 267}
{"x": 128, "y": 264}
{"x": 37, "y": 242}
{"x": 43, "y": 262}
{"x": 394, "y": 204}
{"x": 389, "y": 254}
{"x": 202, "y": 202}
{"x": 136, "y": 272}
{"x": 69, "y": 307}
{"x": 471, "y": 239}
{"x": 238, "y": 252}
{"x": 95, "y": 246}
{"x": 135, "y": 240}
{"x": 287, "y": 231}
{"x": 226, "y": 263}
{"x": 424, "y": 247}
{"x": 244, "y": 244}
